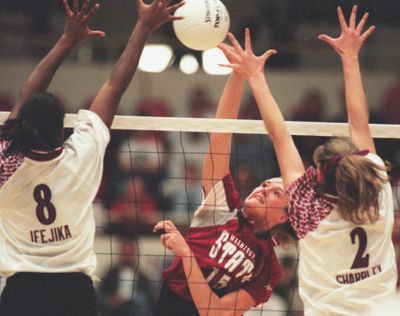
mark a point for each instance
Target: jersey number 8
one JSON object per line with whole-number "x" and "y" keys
{"x": 45, "y": 210}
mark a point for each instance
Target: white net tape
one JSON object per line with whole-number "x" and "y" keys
{"x": 122, "y": 122}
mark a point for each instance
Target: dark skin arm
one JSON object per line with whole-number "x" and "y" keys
{"x": 150, "y": 17}
{"x": 76, "y": 30}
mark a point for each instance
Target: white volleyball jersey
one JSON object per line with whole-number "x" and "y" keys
{"x": 344, "y": 269}
{"x": 46, "y": 217}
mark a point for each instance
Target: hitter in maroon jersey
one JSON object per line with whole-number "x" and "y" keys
{"x": 222, "y": 265}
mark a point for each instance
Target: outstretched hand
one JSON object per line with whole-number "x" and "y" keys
{"x": 157, "y": 13}
{"x": 352, "y": 38}
{"x": 76, "y": 26}
{"x": 244, "y": 61}
{"x": 172, "y": 239}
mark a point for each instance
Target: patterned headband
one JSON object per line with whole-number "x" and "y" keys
{"x": 334, "y": 160}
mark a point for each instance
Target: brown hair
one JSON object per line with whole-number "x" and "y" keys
{"x": 284, "y": 234}
{"x": 355, "y": 180}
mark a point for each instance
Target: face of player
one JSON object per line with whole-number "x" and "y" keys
{"x": 265, "y": 206}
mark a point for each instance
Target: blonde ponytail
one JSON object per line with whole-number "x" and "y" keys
{"x": 355, "y": 180}
{"x": 359, "y": 182}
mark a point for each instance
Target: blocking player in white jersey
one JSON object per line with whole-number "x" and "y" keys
{"x": 226, "y": 263}
{"x": 341, "y": 210}
{"x": 47, "y": 186}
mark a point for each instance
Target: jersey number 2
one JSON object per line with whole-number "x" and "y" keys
{"x": 361, "y": 260}
{"x": 45, "y": 210}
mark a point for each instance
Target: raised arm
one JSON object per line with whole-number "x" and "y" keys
{"x": 206, "y": 301}
{"x": 216, "y": 162}
{"x": 251, "y": 67}
{"x": 75, "y": 30}
{"x": 348, "y": 46}
{"x": 150, "y": 17}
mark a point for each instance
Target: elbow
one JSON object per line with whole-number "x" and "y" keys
{"x": 361, "y": 121}
{"x": 278, "y": 134}
{"x": 358, "y": 127}
{"x": 215, "y": 312}
{"x": 219, "y": 309}
{"x": 215, "y": 308}
{"x": 272, "y": 136}
{"x": 115, "y": 91}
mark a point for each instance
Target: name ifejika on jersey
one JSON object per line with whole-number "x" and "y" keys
{"x": 53, "y": 234}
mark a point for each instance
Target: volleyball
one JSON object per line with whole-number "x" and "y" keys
{"x": 205, "y": 24}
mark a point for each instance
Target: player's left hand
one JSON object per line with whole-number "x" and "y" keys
{"x": 76, "y": 25}
{"x": 352, "y": 38}
{"x": 172, "y": 239}
{"x": 157, "y": 13}
{"x": 244, "y": 61}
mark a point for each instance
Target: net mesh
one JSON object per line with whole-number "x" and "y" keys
{"x": 153, "y": 172}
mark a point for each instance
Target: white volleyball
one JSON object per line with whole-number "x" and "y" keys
{"x": 205, "y": 24}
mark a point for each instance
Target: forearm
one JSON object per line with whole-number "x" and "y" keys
{"x": 289, "y": 159}
{"x": 205, "y": 300}
{"x": 126, "y": 66}
{"x": 348, "y": 45}
{"x": 228, "y": 108}
{"x": 40, "y": 78}
{"x": 269, "y": 110}
{"x": 202, "y": 295}
{"x": 356, "y": 100}
{"x": 216, "y": 162}
{"x": 107, "y": 100}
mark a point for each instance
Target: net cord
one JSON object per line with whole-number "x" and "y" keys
{"x": 152, "y": 123}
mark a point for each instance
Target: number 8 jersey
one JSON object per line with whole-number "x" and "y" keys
{"x": 344, "y": 268}
{"x": 46, "y": 216}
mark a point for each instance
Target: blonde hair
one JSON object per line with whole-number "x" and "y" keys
{"x": 355, "y": 180}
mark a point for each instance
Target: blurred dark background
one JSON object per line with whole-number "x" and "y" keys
{"x": 291, "y": 26}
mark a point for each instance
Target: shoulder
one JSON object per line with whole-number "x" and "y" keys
{"x": 8, "y": 164}
{"x": 375, "y": 159}
{"x": 89, "y": 119}
{"x": 234, "y": 199}
{"x": 219, "y": 206}
{"x": 89, "y": 128}
{"x": 223, "y": 194}
{"x": 307, "y": 206}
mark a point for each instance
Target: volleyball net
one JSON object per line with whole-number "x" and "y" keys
{"x": 153, "y": 171}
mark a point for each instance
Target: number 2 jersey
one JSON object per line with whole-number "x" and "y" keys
{"x": 46, "y": 217}
{"x": 344, "y": 268}
{"x": 226, "y": 249}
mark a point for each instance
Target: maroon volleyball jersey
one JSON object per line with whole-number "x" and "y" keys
{"x": 226, "y": 249}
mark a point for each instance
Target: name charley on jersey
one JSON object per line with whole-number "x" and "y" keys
{"x": 52, "y": 234}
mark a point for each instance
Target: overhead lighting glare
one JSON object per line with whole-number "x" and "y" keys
{"x": 211, "y": 59}
{"x": 155, "y": 58}
{"x": 188, "y": 64}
